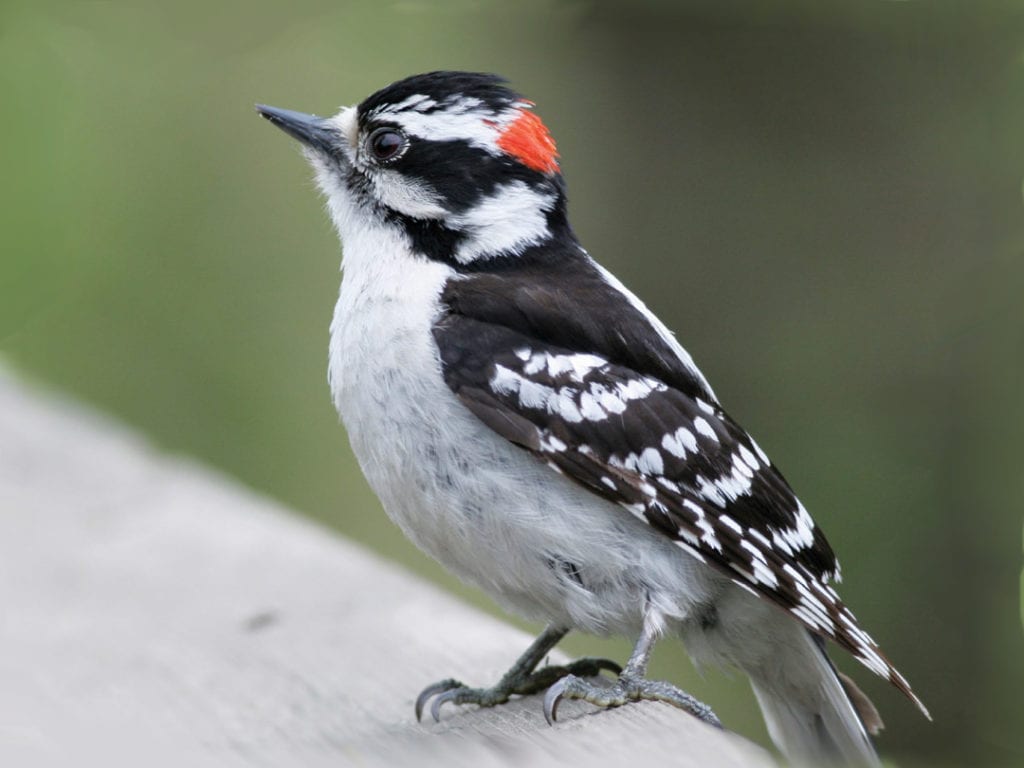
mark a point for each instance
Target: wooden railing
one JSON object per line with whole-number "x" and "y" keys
{"x": 153, "y": 612}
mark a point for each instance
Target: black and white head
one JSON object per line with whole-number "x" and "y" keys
{"x": 457, "y": 161}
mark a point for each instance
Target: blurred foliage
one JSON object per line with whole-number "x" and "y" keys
{"x": 823, "y": 198}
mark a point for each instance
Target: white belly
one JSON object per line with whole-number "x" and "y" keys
{"x": 487, "y": 510}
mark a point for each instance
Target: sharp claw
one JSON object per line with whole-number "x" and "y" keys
{"x": 551, "y": 700}
{"x": 440, "y": 701}
{"x": 420, "y": 701}
{"x": 432, "y": 690}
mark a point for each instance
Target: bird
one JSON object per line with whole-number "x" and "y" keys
{"x": 528, "y": 422}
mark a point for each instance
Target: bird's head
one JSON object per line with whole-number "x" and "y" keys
{"x": 457, "y": 160}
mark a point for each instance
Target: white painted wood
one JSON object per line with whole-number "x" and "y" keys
{"x": 155, "y": 613}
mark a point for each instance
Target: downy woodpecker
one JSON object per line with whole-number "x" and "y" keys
{"x": 529, "y": 423}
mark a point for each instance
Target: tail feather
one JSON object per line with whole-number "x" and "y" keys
{"x": 812, "y": 717}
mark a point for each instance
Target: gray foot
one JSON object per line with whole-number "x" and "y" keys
{"x": 516, "y": 682}
{"x": 626, "y": 689}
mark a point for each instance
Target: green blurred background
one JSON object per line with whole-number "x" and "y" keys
{"x": 824, "y": 199}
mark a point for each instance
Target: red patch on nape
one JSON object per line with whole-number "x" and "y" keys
{"x": 527, "y": 139}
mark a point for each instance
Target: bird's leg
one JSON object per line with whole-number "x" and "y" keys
{"x": 632, "y": 685}
{"x": 523, "y": 678}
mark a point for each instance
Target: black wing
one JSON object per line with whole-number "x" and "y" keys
{"x": 592, "y": 399}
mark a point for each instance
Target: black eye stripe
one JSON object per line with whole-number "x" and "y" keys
{"x": 386, "y": 144}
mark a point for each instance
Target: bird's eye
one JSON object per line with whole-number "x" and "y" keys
{"x": 386, "y": 144}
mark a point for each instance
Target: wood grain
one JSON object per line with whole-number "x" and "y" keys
{"x": 153, "y": 612}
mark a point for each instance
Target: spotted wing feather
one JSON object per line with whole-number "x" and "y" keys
{"x": 673, "y": 459}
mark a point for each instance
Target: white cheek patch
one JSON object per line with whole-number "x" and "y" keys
{"x": 509, "y": 220}
{"x": 407, "y": 196}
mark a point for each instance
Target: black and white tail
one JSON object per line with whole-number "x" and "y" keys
{"x": 816, "y": 715}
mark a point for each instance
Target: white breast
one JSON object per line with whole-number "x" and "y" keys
{"x": 486, "y": 509}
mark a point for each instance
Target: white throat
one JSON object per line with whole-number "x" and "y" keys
{"x": 387, "y": 304}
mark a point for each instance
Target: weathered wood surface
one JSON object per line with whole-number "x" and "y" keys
{"x": 155, "y": 613}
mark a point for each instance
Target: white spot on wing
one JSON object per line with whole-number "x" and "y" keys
{"x": 634, "y": 389}
{"x": 695, "y": 508}
{"x": 781, "y": 543}
{"x": 505, "y": 381}
{"x": 580, "y": 365}
{"x": 760, "y": 454}
{"x": 742, "y": 571}
{"x": 535, "y": 364}
{"x": 590, "y": 409}
{"x": 740, "y": 466}
{"x": 733, "y": 485}
{"x": 702, "y": 426}
{"x": 759, "y": 537}
{"x": 807, "y": 617}
{"x": 687, "y": 438}
{"x": 708, "y": 534}
{"x": 671, "y": 444}
{"x": 710, "y": 491}
{"x": 763, "y": 574}
{"x": 679, "y": 442}
{"x": 565, "y": 406}
{"x": 553, "y": 444}
{"x": 668, "y": 485}
{"x": 748, "y": 458}
{"x": 798, "y": 537}
{"x": 608, "y": 399}
{"x": 650, "y": 462}
{"x": 728, "y": 521}
{"x": 534, "y": 395}
{"x": 753, "y": 550}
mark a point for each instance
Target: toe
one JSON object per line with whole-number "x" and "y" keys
{"x": 432, "y": 690}
{"x": 553, "y": 697}
{"x": 447, "y": 696}
{"x": 655, "y": 690}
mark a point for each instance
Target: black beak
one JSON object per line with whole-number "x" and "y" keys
{"x": 313, "y": 131}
